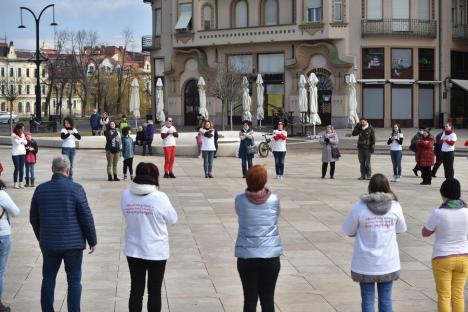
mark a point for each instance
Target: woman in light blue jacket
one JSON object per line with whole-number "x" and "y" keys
{"x": 258, "y": 245}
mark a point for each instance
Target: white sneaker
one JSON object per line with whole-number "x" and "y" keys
{"x": 394, "y": 178}
{"x": 277, "y": 177}
{"x": 15, "y": 185}
{"x": 398, "y": 179}
{"x": 281, "y": 178}
{"x": 21, "y": 185}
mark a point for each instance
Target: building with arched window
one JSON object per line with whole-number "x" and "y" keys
{"x": 394, "y": 48}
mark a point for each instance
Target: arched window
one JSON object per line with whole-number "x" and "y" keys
{"x": 2, "y": 107}
{"x": 207, "y": 17}
{"x": 270, "y": 10}
{"x": 28, "y": 107}
{"x": 20, "y": 107}
{"x": 241, "y": 14}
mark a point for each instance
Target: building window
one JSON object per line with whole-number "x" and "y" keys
{"x": 271, "y": 63}
{"x": 374, "y": 10}
{"x": 20, "y": 91}
{"x": 2, "y": 107}
{"x": 20, "y": 107}
{"x": 3, "y": 89}
{"x": 314, "y": 11}
{"x": 462, "y": 12}
{"x": 207, "y": 13}
{"x": 271, "y": 12}
{"x": 426, "y": 64}
{"x": 43, "y": 89}
{"x": 3, "y": 72}
{"x": 241, "y": 63}
{"x": 11, "y": 72}
{"x": 373, "y": 63}
{"x": 241, "y": 14}
{"x": 373, "y": 102}
{"x": 426, "y": 105}
{"x": 402, "y": 63}
{"x": 44, "y": 72}
{"x": 27, "y": 72}
{"x": 74, "y": 104}
{"x": 28, "y": 107}
{"x": 19, "y": 72}
{"x": 402, "y": 103}
{"x": 424, "y": 10}
{"x": 157, "y": 22}
{"x": 28, "y": 89}
{"x": 159, "y": 67}
{"x": 185, "y": 18}
{"x": 459, "y": 65}
{"x": 339, "y": 10}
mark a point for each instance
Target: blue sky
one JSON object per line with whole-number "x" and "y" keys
{"x": 107, "y": 17}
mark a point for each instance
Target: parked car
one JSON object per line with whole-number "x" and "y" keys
{"x": 5, "y": 117}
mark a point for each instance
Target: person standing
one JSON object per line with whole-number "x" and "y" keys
{"x": 414, "y": 147}
{"x": 30, "y": 159}
{"x": 149, "y": 132}
{"x": 258, "y": 244}
{"x": 9, "y": 209}
{"x": 216, "y": 138}
{"x": 128, "y": 151}
{"x": 448, "y": 140}
{"x": 62, "y": 222}
{"x": 113, "y": 146}
{"x": 438, "y": 154}
{"x": 147, "y": 212}
{"x": 104, "y": 123}
{"x": 69, "y": 135}
{"x": 95, "y": 122}
{"x": 450, "y": 250}
{"x": 208, "y": 148}
{"x": 246, "y": 136}
{"x": 365, "y": 145}
{"x": 328, "y": 141}
{"x": 18, "y": 152}
{"x": 278, "y": 147}
{"x": 169, "y": 135}
{"x": 396, "y": 151}
{"x": 123, "y": 123}
{"x": 425, "y": 160}
{"x": 140, "y": 137}
{"x": 375, "y": 220}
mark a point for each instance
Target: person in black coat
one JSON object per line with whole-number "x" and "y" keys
{"x": 246, "y": 136}
{"x": 438, "y": 154}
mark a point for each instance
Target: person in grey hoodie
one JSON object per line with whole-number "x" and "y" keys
{"x": 258, "y": 245}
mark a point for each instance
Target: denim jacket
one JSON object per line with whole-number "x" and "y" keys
{"x": 127, "y": 147}
{"x": 258, "y": 235}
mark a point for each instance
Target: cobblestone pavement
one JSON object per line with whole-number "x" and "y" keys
{"x": 201, "y": 273}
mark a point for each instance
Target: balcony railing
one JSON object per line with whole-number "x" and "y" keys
{"x": 149, "y": 43}
{"x": 399, "y": 27}
{"x": 460, "y": 32}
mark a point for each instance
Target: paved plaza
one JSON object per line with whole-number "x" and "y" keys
{"x": 201, "y": 274}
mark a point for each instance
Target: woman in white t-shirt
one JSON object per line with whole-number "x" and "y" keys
{"x": 395, "y": 141}
{"x": 69, "y": 135}
{"x": 18, "y": 152}
{"x": 147, "y": 213}
{"x": 448, "y": 141}
{"x": 208, "y": 147}
{"x": 169, "y": 135}
{"x": 278, "y": 146}
{"x": 375, "y": 220}
{"x": 450, "y": 249}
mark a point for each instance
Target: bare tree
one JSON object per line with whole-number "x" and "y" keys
{"x": 9, "y": 90}
{"x": 227, "y": 87}
{"x": 86, "y": 42}
{"x": 121, "y": 71}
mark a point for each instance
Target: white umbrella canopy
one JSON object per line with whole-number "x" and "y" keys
{"x": 246, "y": 100}
{"x": 160, "y": 116}
{"x": 314, "y": 116}
{"x": 260, "y": 98}
{"x": 303, "y": 101}
{"x": 202, "y": 96}
{"x": 353, "y": 117}
{"x": 134, "y": 105}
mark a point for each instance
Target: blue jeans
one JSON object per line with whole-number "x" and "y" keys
{"x": 246, "y": 163}
{"x": 208, "y": 161}
{"x": 30, "y": 171}
{"x": 368, "y": 295}
{"x": 279, "y": 162}
{"x": 5, "y": 247}
{"x": 70, "y": 153}
{"x": 18, "y": 162}
{"x": 50, "y": 267}
{"x": 396, "y": 161}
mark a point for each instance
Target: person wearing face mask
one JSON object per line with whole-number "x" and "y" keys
{"x": 365, "y": 145}
{"x": 169, "y": 135}
{"x": 328, "y": 141}
{"x": 425, "y": 159}
{"x": 448, "y": 140}
{"x": 395, "y": 141}
{"x": 246, "y": 136}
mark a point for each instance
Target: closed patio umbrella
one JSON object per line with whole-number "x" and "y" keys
{"x": 303, "y": 101}
{"x": 134, "y": 105}
{"x": 353, "y": 117}
{"x": 314, "y": 116}
{"x": 246, "y": 100}
{"x": 260, "y": 99}
{"x": 160, "y": 116}
{"x": 202, "y": 96}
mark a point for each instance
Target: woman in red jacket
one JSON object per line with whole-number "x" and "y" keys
{"x": 425, "y": 157}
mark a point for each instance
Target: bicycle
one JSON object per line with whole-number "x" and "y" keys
{"x": 264, "y": 148}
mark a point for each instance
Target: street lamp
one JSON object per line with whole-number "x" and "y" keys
{"x": 38, "y": 60}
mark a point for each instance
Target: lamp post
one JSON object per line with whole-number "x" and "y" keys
{"x": 38, "y": 61}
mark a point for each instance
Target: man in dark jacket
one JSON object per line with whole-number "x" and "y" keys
{"x": 149, "y": 138}
{"x": 438, "y": 154}
{"x": 62, "y": 222}
{"x": 95, "y": 122}
{"x": 365, "y": 145}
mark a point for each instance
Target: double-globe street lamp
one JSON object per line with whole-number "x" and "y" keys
{"x": 38, "y": 61}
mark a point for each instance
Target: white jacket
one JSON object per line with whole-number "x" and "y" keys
{"x": 11, "y": 210}
{"x": 147, "y": 213}
{"x": 18, "y": 145}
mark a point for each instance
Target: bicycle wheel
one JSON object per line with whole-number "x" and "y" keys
{"x": 263, "y": 149}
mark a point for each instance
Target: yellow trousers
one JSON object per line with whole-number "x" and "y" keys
{"x": 450, "y": 275}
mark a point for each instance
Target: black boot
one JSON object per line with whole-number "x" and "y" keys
{"x": 171, "y": 175}
{"x": 27, "y": 182}
{"x": 115, "y": 178}
{"x": 109, "y": 177}
{"x": 32, "y": 183}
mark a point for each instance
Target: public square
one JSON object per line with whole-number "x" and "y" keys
{"x": 201, "y": 274}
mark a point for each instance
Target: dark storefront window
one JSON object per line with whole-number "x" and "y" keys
{"x": 373, "y": 63}
{"x": 459, "y": 65}
{"x": 458, "y": 95}
{"x": 271, "y": 66}
{"x": 402, "y": 63}
{"x": 426, "y": 64}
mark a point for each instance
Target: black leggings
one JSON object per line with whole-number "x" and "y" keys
{"x": 258, "y": 278}
{"x": 128, "y": 163}
{"x": 138, "y": 268}
{"x": 332, "y": 168}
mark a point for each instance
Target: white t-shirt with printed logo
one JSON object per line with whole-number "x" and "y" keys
{"x": 395, "y": 146}
{"x": 170, "y": 140}
{"x": 376, "y": 248}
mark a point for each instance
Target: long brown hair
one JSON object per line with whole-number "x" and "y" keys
{"x": 379, "y": 184}
{"x": 19, "y": 126}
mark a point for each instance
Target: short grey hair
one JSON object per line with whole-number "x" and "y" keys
{"x": 60, "y": 164}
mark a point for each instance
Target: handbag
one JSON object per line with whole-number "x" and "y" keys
{"x": 252, "y": 149}
{"x": 335, "y": 152}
